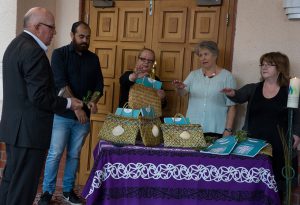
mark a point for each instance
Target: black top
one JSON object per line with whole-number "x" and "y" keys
{"x": 82, "y": 73}
{"x": 265, "y": 115}
{"x": 125, "y": 85}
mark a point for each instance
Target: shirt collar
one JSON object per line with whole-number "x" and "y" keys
{"x": 41, "y": 44}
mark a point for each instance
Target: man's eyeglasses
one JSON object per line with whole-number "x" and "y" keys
{"x": 49, "y": 26}
{"x": 267, "y": 65}
{"x": 145, "y": 60}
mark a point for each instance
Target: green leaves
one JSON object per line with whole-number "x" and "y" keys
{"x": 241, "y": 135}
{"x": 90, "y": 96}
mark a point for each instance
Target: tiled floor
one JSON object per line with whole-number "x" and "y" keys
{"x": 57, "y": 198}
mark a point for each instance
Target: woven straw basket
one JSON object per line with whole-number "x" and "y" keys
{"x": 118, "y": 129}
{"x": 142, "y": 96}
{"x": 150, "y": 131}
{"x": 187, "y": 135}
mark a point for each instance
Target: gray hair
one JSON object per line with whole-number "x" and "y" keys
{"x": 210, "y": 45}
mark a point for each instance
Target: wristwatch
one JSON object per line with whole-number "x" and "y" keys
{"x": 228, "y": 129}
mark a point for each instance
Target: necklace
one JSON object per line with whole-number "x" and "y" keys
{"x": 210, "y": 76}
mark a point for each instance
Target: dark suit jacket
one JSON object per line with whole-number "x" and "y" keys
{"x": 29, "y": 98}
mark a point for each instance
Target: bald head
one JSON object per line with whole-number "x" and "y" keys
{"x": 36, "y": 15}
{"x": 40, "y": 22}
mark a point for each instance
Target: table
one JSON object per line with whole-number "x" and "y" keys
{"x": 132, "y": 175}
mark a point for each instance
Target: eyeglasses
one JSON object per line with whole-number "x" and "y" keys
{"x": 49, "y": 26}
{"x": 145, "y": 60}
{"x": 267, "y": 65}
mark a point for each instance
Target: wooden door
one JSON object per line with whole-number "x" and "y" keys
{"x": 179, "y": 25}
{"x": 171, "y": 28}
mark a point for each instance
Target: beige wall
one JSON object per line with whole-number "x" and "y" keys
{"x": 8, "y": 10}
{"x": 66, "y": 12}
{"x": 262, "y": 26}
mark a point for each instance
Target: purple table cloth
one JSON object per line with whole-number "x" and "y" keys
{"x": 132, "y": 175}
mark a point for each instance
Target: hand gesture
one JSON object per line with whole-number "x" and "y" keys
{"x": 81, "y": 116}
{"x": 161, "y": 94}
{"x": 76, "y": 104}
{"x": 296, "y": 141}
{"x": 133, "y": 76}
{"x": 178, "y": 84}
{"x": 228, "y": 91}
{"x": 93, "y": 107}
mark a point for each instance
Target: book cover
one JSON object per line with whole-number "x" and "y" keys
{"x": 250, "y": 147}
{"x": 222, "y": 146}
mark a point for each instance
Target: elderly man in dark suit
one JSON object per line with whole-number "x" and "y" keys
{"x": 29, "y": 102}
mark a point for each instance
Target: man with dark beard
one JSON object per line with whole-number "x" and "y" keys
{"x": 77, "y": 73}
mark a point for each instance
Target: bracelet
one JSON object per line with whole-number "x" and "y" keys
{"x": 228, "y": 130}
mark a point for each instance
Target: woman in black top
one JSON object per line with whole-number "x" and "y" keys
{"x": 143, "y": 67}
{"x": 266, "y": 110}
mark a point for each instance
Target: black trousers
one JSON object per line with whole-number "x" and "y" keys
{"x": 21, "y": 175}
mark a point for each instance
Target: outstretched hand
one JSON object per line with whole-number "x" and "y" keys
{"x": 178, "y": 84}
{"x": 161, "y": 94}
{"x": 296, "y": 141}
{"x": 228, "y": 91}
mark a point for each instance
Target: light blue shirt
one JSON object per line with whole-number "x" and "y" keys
{"x": 207, "y": 105}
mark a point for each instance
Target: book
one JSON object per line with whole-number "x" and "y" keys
{"x": 222, "y": 146}
{"x": 250, "y": 147}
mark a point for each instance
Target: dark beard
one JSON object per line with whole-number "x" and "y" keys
{"x": 81, "y": 47}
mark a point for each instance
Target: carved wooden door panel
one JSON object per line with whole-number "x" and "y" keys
{"x": 171, "y": 28}
{"x": 118, "y": 34}
{"x": 179, "y": 26}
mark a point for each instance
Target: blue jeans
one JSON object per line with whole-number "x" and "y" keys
{"x": 67, "y": 133}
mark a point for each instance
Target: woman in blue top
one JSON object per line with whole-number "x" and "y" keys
{"x": 207, "y": 105}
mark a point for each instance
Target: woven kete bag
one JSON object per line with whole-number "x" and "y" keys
{"x": 118, "y": 129}
{"x": 189, "y": 135}
{"x": 142, "y": 96}
{"x": 150, "y": 131}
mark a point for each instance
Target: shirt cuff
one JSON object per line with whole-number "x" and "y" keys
{"x": 69, "y": 103}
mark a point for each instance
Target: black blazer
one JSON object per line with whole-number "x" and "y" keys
{"x": 29, "y": 98}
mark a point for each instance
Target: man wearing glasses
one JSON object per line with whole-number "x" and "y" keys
{"x": 143, "y": 67}
{"x": 29, "y": 101}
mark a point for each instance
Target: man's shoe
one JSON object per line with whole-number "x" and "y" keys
{"x": 72, "y": 198}
{"x": 45, "y": 198}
